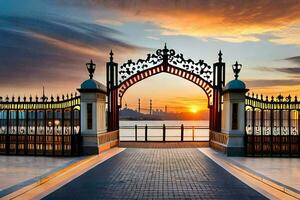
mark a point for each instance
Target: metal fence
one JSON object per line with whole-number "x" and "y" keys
{"x": 33, "y": 127}
{"x": 163, "y": 133}
{"x": 272, "y": 126}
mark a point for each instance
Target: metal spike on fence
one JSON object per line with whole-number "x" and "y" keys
{"x": 67, "y": 96}
{"x": 1, "y": 99}
{"x": 272, "y": 98}
{"x": 75, "y": 94}
{"x": 7, "y": 98}
{"x": 256, "y": 96}
{"x": 267, "y": 98}
{"x": 296, "y": 99}
{"x": 57, "y": 98}
{"x": 24, "y": 98}
{"x": 71, "y": 95}
{"x": 19, "y": 98}
{"x": 36, "y": 98}
{"x": 13, "y": 99}
{"x": 52, "y": 98}
{"x": 30, "y": 98}
{"x": 63, "y": 97}
{"x": 261, "y": 97}
{"x": 253, "y": 94}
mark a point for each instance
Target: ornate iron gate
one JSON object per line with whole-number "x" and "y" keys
{"x": 33, "y": 127}
{"x": 210, "y": 79}
{"x": 272, "y": 126}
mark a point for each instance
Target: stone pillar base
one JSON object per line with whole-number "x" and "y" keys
{"x": 218, "y": 141}
{"x": 108, "y": 140}
{"x": 235, "y": 151}
{"x": 90, "y": 150}
{"x": 95, "y": 144}
{"x": 108, "y": 145}
{"x": 222, "y": 142}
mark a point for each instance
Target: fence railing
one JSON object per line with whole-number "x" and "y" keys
{"x": 163, "y": 133}
{"x": 49, "y": 128}
{"x": 272, "y": 126}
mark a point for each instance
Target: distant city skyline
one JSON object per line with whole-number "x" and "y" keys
{"x": 145, "y": 106}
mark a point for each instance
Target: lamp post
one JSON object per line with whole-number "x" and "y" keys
{"x": 91, "y": 68}
{"x": 236, "y": 69}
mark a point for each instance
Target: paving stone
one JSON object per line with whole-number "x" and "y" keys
{"x": 156, "y": 174}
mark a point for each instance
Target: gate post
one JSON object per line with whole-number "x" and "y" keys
{"x": 230, "y": 139}
{"x": 93, "y": 114}
{"x": 112, "y": 94}
{"x": 218, "y": 83}
{"x": 233, "y": 118}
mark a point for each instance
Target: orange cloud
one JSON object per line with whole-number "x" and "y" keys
{"x": 287, "y": 36}
{"x": 233, "y": 21}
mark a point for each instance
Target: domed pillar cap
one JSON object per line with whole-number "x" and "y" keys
{"x": 92, "y": 85}
{"x": 235, "y": 86}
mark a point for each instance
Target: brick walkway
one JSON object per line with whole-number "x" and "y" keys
{"x": 164, "y": 145}
{"x": 156, "y": 174}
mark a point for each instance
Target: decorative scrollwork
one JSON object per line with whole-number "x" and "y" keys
{"x": 168, "y": 57}
{"x": 200, "y": 68}
{"x": 257, "y": 130}
{"x": 267, "y": 130}
{"x": 294, "y": 130}
{"x": 284, "y": 131}
{"x": 130, "y": 68}
{"x": 3, "y": 130}
{"x": 249, "y": 129}
{"x": 276, "y": 130}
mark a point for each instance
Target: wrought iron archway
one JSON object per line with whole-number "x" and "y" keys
{"x": 210, "y": 79}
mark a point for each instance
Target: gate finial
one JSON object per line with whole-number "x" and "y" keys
{"x": 236, "y": 69}
{"x": 111, "y": 56}
{"x": 91, "y": 68}
{"x": 165, "y": 47}
{"x": 220, "y": 56}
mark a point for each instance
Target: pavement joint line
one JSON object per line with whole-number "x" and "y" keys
{"x": 268, "y": 182}
{"x": 69, "y": 169}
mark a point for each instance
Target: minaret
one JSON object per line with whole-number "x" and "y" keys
{"x": 139, "y": 105}
{"x": 150, "y": 106}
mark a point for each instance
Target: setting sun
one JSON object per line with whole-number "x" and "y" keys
{"x": 194, "y": 109}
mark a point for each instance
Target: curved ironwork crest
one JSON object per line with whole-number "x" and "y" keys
{"x": 165, "y": 57}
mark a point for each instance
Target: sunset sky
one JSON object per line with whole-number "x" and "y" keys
{"x": 47, "y": 43}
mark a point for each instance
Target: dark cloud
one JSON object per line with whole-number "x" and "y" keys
{"x": 290, "y": 70}
{"x": 263, "y": 69}
{"x": 271, "y": 83}
{"x": 52, "y": 51}
{"x": 295, "y": 59}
